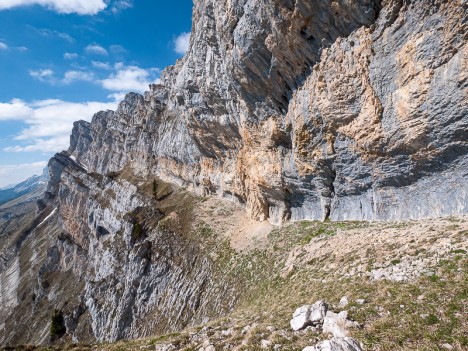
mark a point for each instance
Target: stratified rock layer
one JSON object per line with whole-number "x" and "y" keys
{"x": 295, "y": 109}
{"x": 305, "y": 110}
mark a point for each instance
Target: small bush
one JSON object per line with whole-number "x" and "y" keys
{"x": 113, "y": 175}
{"x": 432, "y": 319}
{"x": 57, "y": 326}
{"x": 137, "y": 231}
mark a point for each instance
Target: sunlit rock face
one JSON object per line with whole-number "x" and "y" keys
{"x": 305, "y": 110}
{"x": 295, "y": 109}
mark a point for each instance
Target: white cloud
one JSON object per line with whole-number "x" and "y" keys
{"x": 118, "y": 49}
{"x": 5, "y": 47}
{"x": 130, "y": 78}
{"x": 117, "y": 97}
{"x": 81, "y": 7}
{"x": 54, "y": 33}
{"x": 101, "y": 65}
{"x": 73, "y": 76}
{"x": 49, "y": 122}
{"x": 14, "y": 110}
{"x": 121, "y": 5}
{"x": 44, "y": 75}
{"x": 181, "y": 43}
{"x": 14, "y": 174}
{"x": 48, "y": 76}
{"x": 96, "y": 50}
{"x": 70, "y": 56}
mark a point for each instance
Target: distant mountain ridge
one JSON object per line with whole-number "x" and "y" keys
{"x": 33, "y": 183}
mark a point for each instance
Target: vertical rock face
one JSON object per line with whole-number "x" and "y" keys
{"x": 305, "y": 110}
{"x": 296, "y": 109}
{"x": 383, "y": 117}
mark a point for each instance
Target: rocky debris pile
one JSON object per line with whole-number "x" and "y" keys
{"x": 408, "y": 268}
{"x": 320, "y": 318}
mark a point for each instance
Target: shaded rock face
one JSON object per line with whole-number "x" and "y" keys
{"x": 295, "y": 109}
{"x": 137, "y": 282}
{"x": 381, "y": 124}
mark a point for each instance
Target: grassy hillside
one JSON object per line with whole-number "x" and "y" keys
{"x": 406, "y": 282}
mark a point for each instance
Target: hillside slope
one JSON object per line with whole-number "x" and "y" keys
{"x": 405, "y": 283}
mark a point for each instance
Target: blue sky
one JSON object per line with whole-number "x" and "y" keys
{"x": 63, "y": 60}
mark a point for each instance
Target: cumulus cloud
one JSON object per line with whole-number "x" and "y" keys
{"x": 14, "y": 174}
{"x": 70, "y": 56}
{"x": 14, "y": 110}
{"x": 122, "y": 79}
{"x": 181, "y": 43}
{"x": 117, "y": 97}
{"x": 96, "y": 50}
{"x": 81, "y": 7}
{"x": 74, "y": 76}
{"x": 130, "y": 78}
{"x": 48, "y": 76}
{"x": 5, "y": 47}
{"x": 49, "y": 122}
{"x": 118, "y": 49}
{"x": 44, "y": 75}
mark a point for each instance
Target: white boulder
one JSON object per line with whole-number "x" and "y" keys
{"x": 336, "y": 344}
{"x": 309, "y": 315}
{"x": 337, "y": 324}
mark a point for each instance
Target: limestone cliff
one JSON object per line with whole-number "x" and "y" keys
{"x": 295, "y": 110}
{"x": 305, "y": 110}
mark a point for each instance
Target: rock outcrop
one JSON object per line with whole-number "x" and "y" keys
{"x": 338, "y": 324}
{"x": 296, "y": 110}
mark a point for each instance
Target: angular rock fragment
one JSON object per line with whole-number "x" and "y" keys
{"x": 336, "y": 344}
{"x": 343, "y": 302}
{"x": 309, "y": 315}
{"x": 300, "y": 318}
{"x": 337, "y": 324}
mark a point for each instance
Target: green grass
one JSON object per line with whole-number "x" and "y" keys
{"x": 137, "y": 231}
